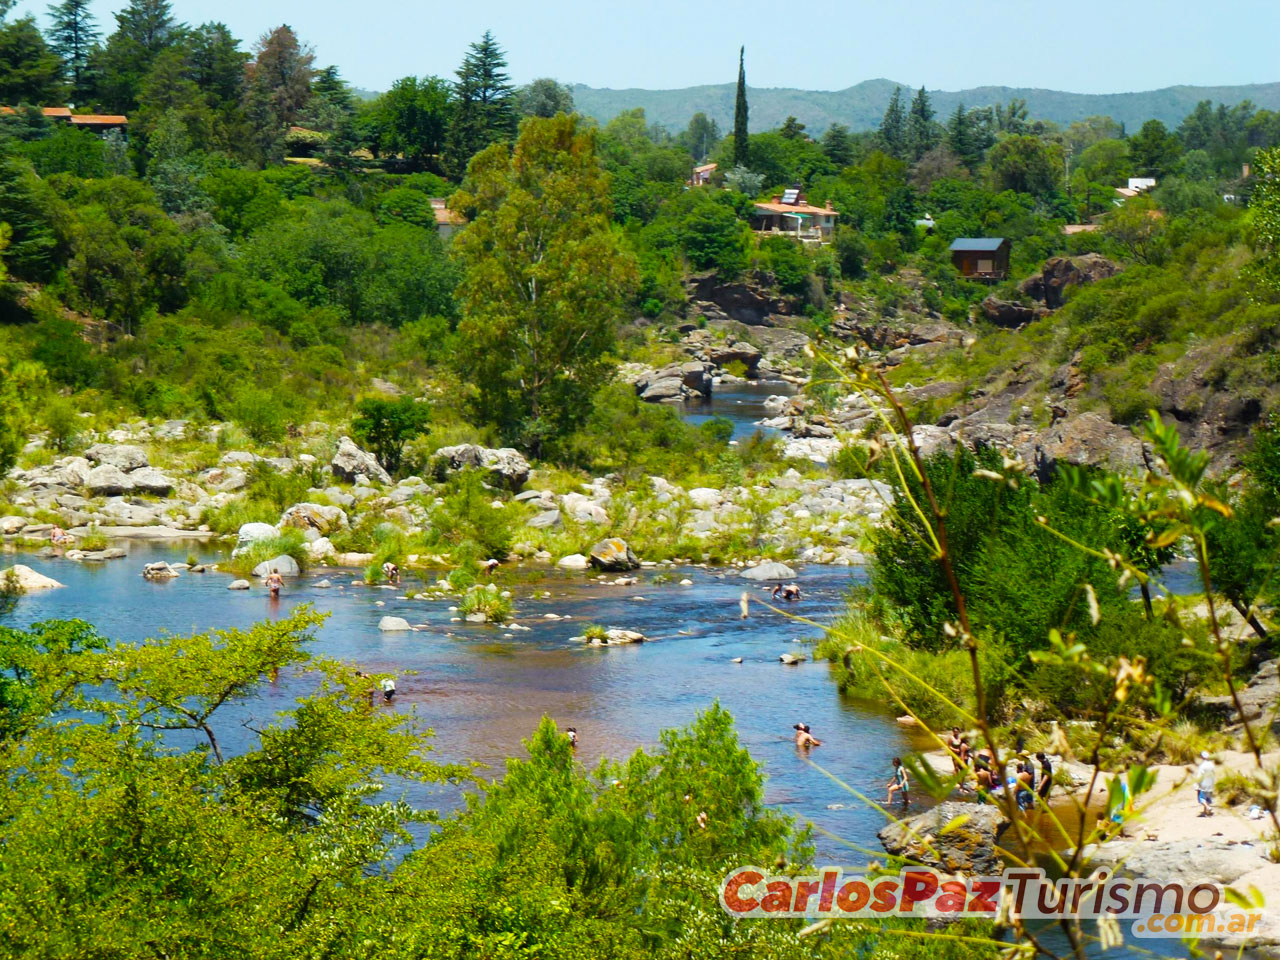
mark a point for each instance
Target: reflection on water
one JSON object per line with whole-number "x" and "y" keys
{"x": 483, "y": 692}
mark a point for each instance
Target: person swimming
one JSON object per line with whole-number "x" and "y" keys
{"x": 274, "y": 583}
{"x": 788, "y": 592}
{"x": 804, "y": 738}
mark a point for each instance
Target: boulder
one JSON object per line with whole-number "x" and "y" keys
{"x": 284, "y": 565}
{"x": 546, "y": 520}
{"x": 574, "y": 561}
{"x": 350, "y": 462}
{"x": 171, "y": 430}
{"x": 393, "y": 624}
{"x": 790, "y": 659}
{"x": 239, "y": 585}
{"x": 1010, "y": 313}
{"x": 159, "y": 571}
{"x": 314, "y": 516}
{"x": 505, "y": 465}
{"x": 737, "y": 352}
{"x": 10, "y": 526}
{"x": 107, "y": 480}
{"x": 1257, "y": 698}
{"x": 29, "y": 580}
{"x": 769, "y": 570}
{"x": 967, "y": 847}
{"x": 705, "y": 498}
{"x": 320, "y": 548}
{"x": 251, "y": 532}
{"x": 1061, "y": 273}
{"x": 662, "y": 390}
{"x": 119, "y": 455}
{"x": 613, "y": 553}
{"x": 151, "y": 480}
{"x": 1086, "y": 439}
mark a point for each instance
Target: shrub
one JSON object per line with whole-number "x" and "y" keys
{"x": 488, "y": 601}
{"x": 63, "y": 424}
{"x": 93, "y": 540}
{"x": 468, "y": 516}
{"x": 290, "y": 542}
{"x": 258, "y": 414}
{"x": 387, "y": 425}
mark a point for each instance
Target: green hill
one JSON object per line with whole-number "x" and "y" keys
{"x": 862, "y": 105}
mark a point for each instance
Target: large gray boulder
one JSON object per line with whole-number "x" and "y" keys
{"x": 284, "y": 565}
{"x": 737, "y": 352}
{"x": 12, "y": 525}
{"x": 1087, "y": 439}
{"x": 249, "y": 532}
{"x": 29, "y": 580}
{"x": 663, "y": 390}
{"x": 350, "y": 462}
{"x": 1061, "y": 273}
{"x": 613, "y": 553}
{"x": 314, "y": 516}
{"x": 151, "y": 480}
{"x": 546, "y": 520}
{"x": 107, "y": 480}
{"x": 967, "y": 846}
{"x": 393, "y": 624}
{"x": 120, "y": 455}
{"x": 769, "y": 570}
{"x": 505, "y": 465}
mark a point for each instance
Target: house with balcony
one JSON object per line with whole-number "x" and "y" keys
{"x": 789, "y": 214}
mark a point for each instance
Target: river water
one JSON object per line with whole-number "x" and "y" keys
{"x": 740, "y": 403}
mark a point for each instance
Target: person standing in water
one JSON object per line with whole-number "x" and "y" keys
{"x": 274, "y": 583}
{"x": 899, "y": 783}
{"x": 789, "y": 592}
{"x": 805, "y": 739}
{"x": 572, "y": 734}
{"x": 388, "y": 689}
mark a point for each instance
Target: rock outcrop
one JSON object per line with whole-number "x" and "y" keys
{"x": 350, "y": 462}
{"x": 968, "y": 846}
{"x": 28, "y": 580}
{"x": 1060, "y": 274}
{"x": 506, "y": 466}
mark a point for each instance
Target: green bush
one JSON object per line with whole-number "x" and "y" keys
{"x": 290, "y": 542}
{"x": 467, "y": 522}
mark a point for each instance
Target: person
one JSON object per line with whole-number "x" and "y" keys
{"x": 899, "y": 783}
{"x": 1206, "y": 780}
{"x": 572, "y": 733}
{"x": 488, "y": 566}
{"x": 789, "y": 592}
{"x": 391, "y": 572}
{"x": 805, "y": 739}
{"x": 953, "y": 750}
{"x": 1045, "y": 786}
{"x": 274, "y": 583}
{"x": 388, "y": 689}
{"x": 1022, "y": 787}
{"x": 965, "y": 751}
{"x": 60, "y": 537}
{"x": 984, "y": 784}
{"x": 1124, "y": 803}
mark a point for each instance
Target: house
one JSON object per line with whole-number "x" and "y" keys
{"x": 99, "y": 123}
{"x": 1141, "y": 184}
{"x": 447, "y": 221}
{"x": 702, "y": 175}
{"x": 981, "y": 258}
{"x": 789, "y": 213}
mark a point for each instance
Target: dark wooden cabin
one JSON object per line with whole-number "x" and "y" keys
{"x": 981, "y": 258}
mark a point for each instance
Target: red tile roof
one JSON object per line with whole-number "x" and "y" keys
{"x": 98, "y": 119}
{"x": 794, "y": 208}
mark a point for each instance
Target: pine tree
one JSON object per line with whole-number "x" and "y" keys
{"x": 922, "y": 135}
{"x": 484, "y": 104}
{"x": 893, "y": 128}
{"x": 960, "y": 136}
{"x": 740, "y": 143}
{"x": 837, "y": 144}
{"x": 143, "y": 30}
{"x": 72, "y": 35}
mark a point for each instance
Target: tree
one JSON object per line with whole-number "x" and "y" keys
{"x": 1025, "y": 164}
{"x": 962, "y": 138}
{"x": 701, "y": 136}
{"x": 278, "y": 85}
{"x": 216, "y": 64}
{"x": 143, "y": 30}
{"x": 544, "y": 97}
{"x": 173, "y": 170}
{"x": 1266, "y": 205}
{"x": 73, "y": 33}
{"x": 837, "y": 144}
{"x": 545, "y": 280}
{"x": 922, "y": 132}
{"x": 29, "y": 71}
{"x": 893, "y": 127}
{"x": 413, "y": 120}
{"x": 1154, "y": 150}
{"x": 792, "y": 129}
{"x": 1012, "y": 118}
{"x": 484, "y": 104}
{"x": 741, "y": 144}
{"x": 387, "y": 425}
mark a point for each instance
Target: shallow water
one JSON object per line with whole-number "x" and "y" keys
{"x": 740, "y": 403}
{"x": 484, "y": 692}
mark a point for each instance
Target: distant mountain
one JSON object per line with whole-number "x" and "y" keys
{"x": 861, "y": 106}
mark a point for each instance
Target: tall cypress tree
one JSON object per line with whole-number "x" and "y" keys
{"x": 740, "y": 143}
{"x": 960, "y": 137}
{"x": 893, "y": 128}
{"x": 922, "y": 135}
{"x": 72, "y": 34}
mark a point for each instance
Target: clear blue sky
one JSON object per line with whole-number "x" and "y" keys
{"x": 1085, "y": 46}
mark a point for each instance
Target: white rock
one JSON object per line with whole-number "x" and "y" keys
{"x": 574, "y": 561}
{"x": 284, "y": 565}
{"x": 239, "y": 585}
{"x": 250, "y": 532}
{"x": 29, "y": 580}
{"x": 393, "y": 624}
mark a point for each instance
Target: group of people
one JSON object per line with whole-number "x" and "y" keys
{"x": 898, "y": 783}
{"x": 1027, "y": 776}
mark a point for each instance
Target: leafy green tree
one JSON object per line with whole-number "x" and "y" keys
{"x": 792, "y": 129}
{"x": 1266, "y": 206}
{"x": 36, "y": 219}
{"x": 73, "y": 33}
{"x": 277, "y": 87}
{"x": 837, "y": 144}
{"x": 413, "y": 120}
{"x": 216, "y": 64}
{"x": 484, "y": 108}
{"x": 539, "y": 318}
{"x": 387, "y": 425}
{"x": 740, "y": 142}
{"x": 174, "y": 171}
{"x": 893, "y": 127}
{"x": 68, "y": 150}
{"x": 922, "y": 132}
{"x": 29, "y": 71}
{"x": 544, "y": 97}
{"x": 701, "y": 136}
{"x": 1025, "y": 164}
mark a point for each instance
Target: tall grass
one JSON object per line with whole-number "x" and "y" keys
{"x": 290, "y": 542}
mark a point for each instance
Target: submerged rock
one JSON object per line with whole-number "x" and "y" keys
{"x": 159, "y": 571}
{"x": 239, "y": 585}
{"x": 393, "y": 624}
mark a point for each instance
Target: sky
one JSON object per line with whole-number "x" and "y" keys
{"x": 1086, "y": 46}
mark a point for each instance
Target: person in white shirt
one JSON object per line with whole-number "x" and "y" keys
{"x": 1206, "y": 779}
{"x": 388, "y": 689}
